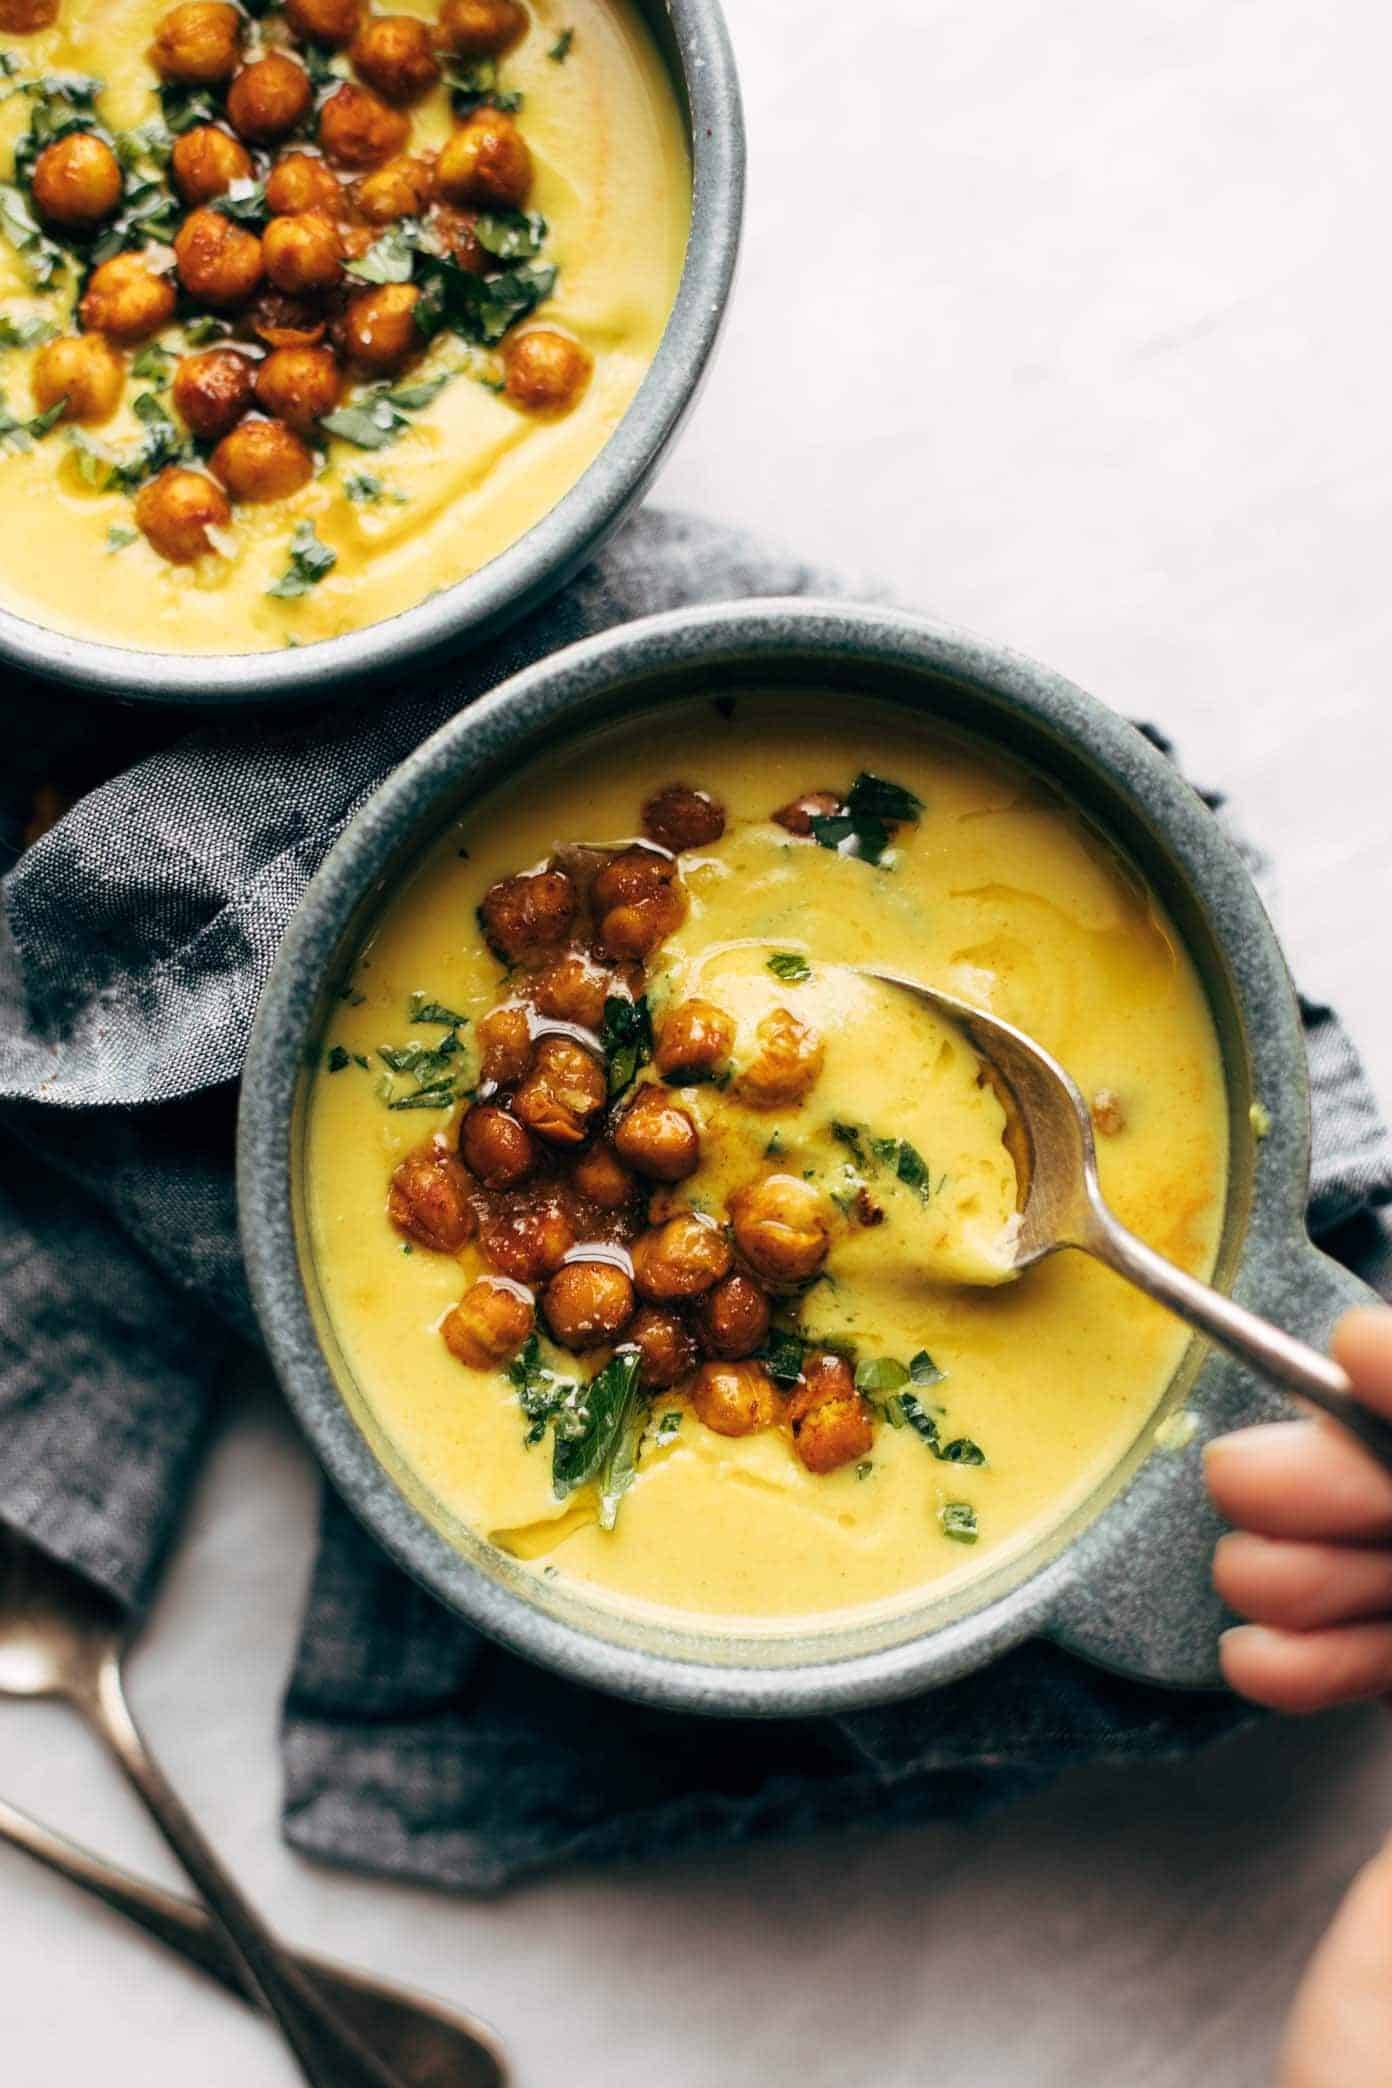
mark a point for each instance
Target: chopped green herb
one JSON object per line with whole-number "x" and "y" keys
{"x": 541, "y": 1394}
{"x": 958, "y": 1519}
{"x": 862, "y": 827}
{"x": 337, "y": 1059}
{"x": 425, "y": 1010}
{"x": 513, "y": 235}
{"x": 244, "y": 202}
{"x": 589, "y": 1428}
{"x": 366, "y": 489}
{"x": 782, "y": 1356}
{"x": 390, "y": 259}
{"x": 310, "y": 562}
{"x": 42, "y": 258}
{"x": 153, "y": 362}
{"x": 470, "y": 86}
{"x": 669, "y": 1426}
{"x": 184, "y": 108}
{"x": 162, "y": 444}
{"x": 882, "y": 1374}
{"x": 626, "y": 1039}
{"x": 924, "y": 1371}
{"x": 865, "y": 1468}
{"x": 787, "y": 965}
{"x": 29, "y": 332}
{"x": 561, "y": 48}
{"x": 118, "y": 538}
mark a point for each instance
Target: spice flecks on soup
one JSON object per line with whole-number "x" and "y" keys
{"x": 671, "y": 1253}
{"x": 303, "y": 319}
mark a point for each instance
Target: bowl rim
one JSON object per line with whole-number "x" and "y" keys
{"x": 545, "y": 556}
{"x": 463, "y": 757}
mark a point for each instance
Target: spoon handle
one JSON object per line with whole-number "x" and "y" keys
{"x": 1300, "y": 1368}
{"x": 328, "y": 2052}
{"x": 432, "y": 2046}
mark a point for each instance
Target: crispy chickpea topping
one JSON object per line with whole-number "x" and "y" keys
{"x": 198, "y": 45}
{"x": 379, "y": 328}
{"x": 82, "y": 370}
{"x": 529, "y": 1237}
{"x": 302, "y": 255}
{"x": 301, "y": 181}
{"x": 505, "y": 1044}
{"x": 574, "y": 989}
{"x": 358, "y": 129}
{"x": 285, "y": 322}
{"x": 545, "y": 371}
{"x": 429, "y": 1200}
{"x": 600, "y": 1175}
{"x": 786, "y": 1066}
{"x": 269, "y": 98}
{"x": 638, "y": 900}
{"x": 398, "y": 190}
{"x": 176, "y": 510}
{"x": 782, "y": 1228}
{"x": 299, "y": 386}
{"x": 77, "y": 181}
{"x": 657, "y": 1137}
{"x": 562, "y": 1092}
{"x": 486, "y": 163}
{"x": 396, "y": 55}
{"x": 836, "y": 1432}
{"x": 219, "y": 262}
{"x": 495, "y": 1146}
{"x": 481, "y": 28}
{"x": 457, "y": 233}
{"x": 489, "y": 1324}
{"x": 262, "y": 460}
{"x": 733, "y": 1318}
{"x": 333, "y": 22}
{"x": 735, "y": 1399}
{"x": 680, "y": 817}
{"x": 798, "y": 816}
{"x": 587, "y": 1303}
{"x": 127, "y": 299}
{"x": 694, "y": 1041}
{"x": 526, "y": 916}
{"x": 667, "y": 1351}
{"x": 27, "y": 17}
{"x": 206, "y": 161}
{"x": 680, "y": 1258}
{"x": 212, "y": 390}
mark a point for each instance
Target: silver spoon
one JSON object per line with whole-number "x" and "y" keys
{"x": 60, "y": 1636}
{"x": 1050, "y": 1137}
{"x": 429, "y": 2045}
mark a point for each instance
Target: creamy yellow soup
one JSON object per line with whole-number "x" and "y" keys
{"x": 469, "y": 472}
{"x": 997, "y": 892}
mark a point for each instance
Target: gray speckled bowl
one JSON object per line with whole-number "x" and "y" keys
{"x": 1125, "y": 1581}
{"x": 693, "y": 40}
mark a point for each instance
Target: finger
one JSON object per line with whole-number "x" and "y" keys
{"x": 1303, "y": 1479}
{"x": 1301, "y": 1671}
{"x": 1340, "y": 2029}
{"x": 1301, "y": 1587}
{"x": 1363, "y": 1344}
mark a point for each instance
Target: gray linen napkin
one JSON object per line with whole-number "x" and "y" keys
{"x": 134, "y": 941}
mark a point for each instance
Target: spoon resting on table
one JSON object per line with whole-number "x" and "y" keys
{"x": 1049, "y": 1136}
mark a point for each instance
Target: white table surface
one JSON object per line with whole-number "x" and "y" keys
{"x": 1071, "y": 324}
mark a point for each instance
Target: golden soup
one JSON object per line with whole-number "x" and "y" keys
{"x": 795, "y": 1221}
{"x": 404, "y": 326}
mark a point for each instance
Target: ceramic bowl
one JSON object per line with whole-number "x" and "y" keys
{"x": 1125, "y": 1579}
{"x": 692, "y": 37}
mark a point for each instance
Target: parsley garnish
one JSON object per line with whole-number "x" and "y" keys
{"x": 470, "y": 86}
{"x": 442, "y": 1072}
{"x": 862, "y": 827}
{"x": 117, "y": 538}
{"x": 390, "y": 259}
{"x": 337, "y": 1059}
{"x": 561, "y": 48}
{"x": 669, "y": 1426}
{"x": 626, "y": 1039}
{"x": 594, "y": 1435}
{"x": 896, "y": 1155}
{"x": 244, "y": 202}
{"x": 790, "y": 967}
{"x": 310, "y": 562}
{"x": 958, "y": 1519}
{"x": 513, "y": 235}
{"x": 425, "y": 1010}
{"x": 29, "y": 332}
{"x": 42, "y": 257}
{"x": 163, "y": 444}
{"x": 383, "y": 414}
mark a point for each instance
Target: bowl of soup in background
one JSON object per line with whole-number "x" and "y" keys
{"x": 1119, "y": 1571}
{"x": 516, "y": 527}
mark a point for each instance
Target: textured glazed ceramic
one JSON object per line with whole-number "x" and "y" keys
{"x": 1125, "y": 1580}
{"x": 692, "y": 38}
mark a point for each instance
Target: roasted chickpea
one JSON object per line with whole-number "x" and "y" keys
{"x": 302, "y": 181}
{"x": 694, "y": 1041}
{"x": 380, "y": 330}
{"x": 826, "y": 1374}
{"x": 489, "y": 1324}
{"x": 638, "y": 901}
{"x": 505, "y": 1044}
{"x": 680, "y": 817}
{"x": 206, "y": 161}
{"x": 77, "y": 181}
{"x": 529, "y": 1240}
{"x": 563, "y": 1092}
{"x": 176, "y": 510}
{"x": 395, "y": 54}
{"x": 269, "y": 98}
{"x": 84, "y": 370}
{"x": 198, "y": 45}
{"x": 285, "y": 322}
{"x": 798, "y": 816}
{"x": 656, "y": 1136}
{"x": 429, "y": 1200}
{"x": 358, "y": 129}
{"x": 262, "y": 460}
{"x": 600, "y": 1175}
{"x": 733, "y": 1319}
{"x": 545, "y": 371}
{"x": 457, "y": 232}
{"x": 481, "y": 28}
{"x": 832, "y": 1424}
{"x": 398, "y": 190}
{"x": 498, "y": 1149}
{"x": 212, "y": 391}
{"x": 735, "y": 1399}
{"x": 666, "y": 1351}
{"x": 680, "y": 1259}
{"x": 219, "y": 262}
{"x": 587, "y": 1303}
{"x": 787, "y": 1063}
{"x": 574, "y": 989}
{"x": 485, "y": 162}
{"x": 127, "y": 299}
{"x": 332, "y": 22}
{"x": 302, "y": 255}
{"x": 523, "y": 916}
{"x": 781, "y": 1228}
{"x": 27, "y": 17}
{"x": 299, "y": 386}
